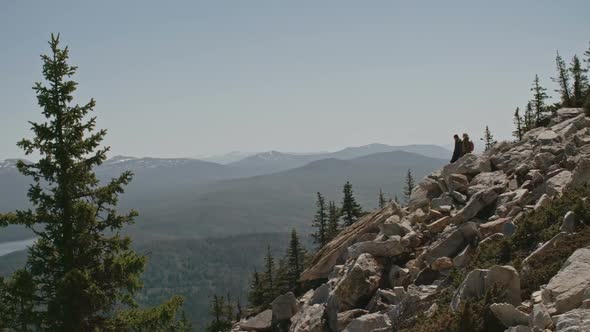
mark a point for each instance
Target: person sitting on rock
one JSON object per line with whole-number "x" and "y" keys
{"x": 457, "y": 152}
{"x": 467, "y": 145}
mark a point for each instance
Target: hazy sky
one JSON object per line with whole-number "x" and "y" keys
{"x": 185, "y": 78}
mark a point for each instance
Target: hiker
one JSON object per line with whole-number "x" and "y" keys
{"x": 458, "y": 149}
{"x": 467, "y": 145}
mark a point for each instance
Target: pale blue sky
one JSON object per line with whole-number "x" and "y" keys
{"x": 184, "y": 78}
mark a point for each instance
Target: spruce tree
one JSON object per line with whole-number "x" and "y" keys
{"x": 529, "y": 118}
{"x": 538, "y": 101}
{"x": 295, "y": 262}
{"x": 409, "y": 186}
{"x": 218, "y": 309}
{"x": 256, "y": 291}
{"x": 333, "y": 217}
{"x": 382, "y": 200}
{"x": 563, "y": 80}
{"x": 320, "y": 223}
{"x": 268, "y": 278}
{"x": 81, "y": 271}
{"x": 351, "y": 210}
{"x": 488, "y": 139}
{"x": 580, "y": 82}
{"x": 518, "y": 125}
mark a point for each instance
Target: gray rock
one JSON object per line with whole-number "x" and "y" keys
{"x": 398, "y": 276}
{"x": 546, "y": 247}
{"x": 581, "y": 174}
{"x": 320, "y": 295}
{"x": 476, "y": 203}
{"x": 439, "y": 225}
{"x": 544, "y": 160}
{"x": 506, "y": 279}
{"x": 359, "y": 283}
{"x": 368, "y": 322}
{"x": 469, "y": 165}
{"x": 573, "y": 321}
{"x": 557, "y": 184}
{"x": 395, "y": 226}
{"x": 473, "y": 286}
{"x": 392, "y": 246}
{"x": 565, "y": 291}
{"x": 544, "y": 201}
{"x": 569, "y": 223}
{"x": 425, "y": 191}
{"x": 539, "y": 318}
{"x": 457, "y": 182}
{"x": 445, "y": 199}
{"x": 489, "y": 179}
{"x": 509, "y": 315}
{"x": 260, "y": 322}
{"x": 309, "y": 319}
{"x": 451, "y": 242}
{"x": 344, "y": 318}
{"x": 284, "y": 307}
{"x": 547, "y": 137}
{"x": 458, "y": 197}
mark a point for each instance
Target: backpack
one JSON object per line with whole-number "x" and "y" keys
{"x": 471, "y": 147}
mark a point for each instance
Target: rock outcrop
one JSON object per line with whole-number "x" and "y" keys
{"x": 396, "y": 262}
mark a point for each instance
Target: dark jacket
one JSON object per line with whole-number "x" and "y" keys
{"x": 458, "y": 152}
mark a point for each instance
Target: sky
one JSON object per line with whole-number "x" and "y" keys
{"x": 191, "y": 78}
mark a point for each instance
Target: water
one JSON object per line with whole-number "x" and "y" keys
{"x": 12, "y": 246}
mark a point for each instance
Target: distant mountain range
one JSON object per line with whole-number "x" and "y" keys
{"x": 202, "y": 198}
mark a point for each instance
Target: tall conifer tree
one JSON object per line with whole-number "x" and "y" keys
{"x": 333, "y": 217}
{"x": 538, "y": 101}
{"x": 488, "y": 139}
{"x": 320, "y": 223}
{"x": 295, "y": 262}
{"x": 580, "y": 82}
{"x": 409, "y": 186}
{"x": 268, "y": 279}
{"x": 563, "y": 80}
{"x": 81, "y": 271}
{"x": 518, "y": 125}
{"x": 351, "y": 210}
{"x": 382, "y": 200}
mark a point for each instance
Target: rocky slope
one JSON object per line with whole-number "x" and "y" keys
{"x": 398, "y": 264}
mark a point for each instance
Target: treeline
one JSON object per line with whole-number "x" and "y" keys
{"x": 573, "y": 89}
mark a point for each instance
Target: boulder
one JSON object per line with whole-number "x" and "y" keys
{"x": 509, "y": 315}
{"x": 451, "y": 242}
{"x": 543, "y": 161}
{"x": 392, "y": 246}
{"x": 260, "y": 322}
{"x": 418, "y": 216}
{"x": 545, "y": 248}
{"x": 368, "y": 322}
{"x": 398, "y": 276}
{"x": 476, "y": 203}
{"x": 489, "y": 179}
{"x": 573, "y": 321}
{"x": 565, "y": 291}
{"x": 469, "y": 165}
{"x": 581, "y": 174}
{"x": 309, "y": 319}
{"x": 544, "y": 201}
{"x": 357, "y": 286}
{"x": 383, "y": 299}
{"x": 320, "y": 295}
{"x": 444, "y": 199}
{"x": 519, "y": 328}
{"x": 493, "y": 227}
{"x": 442, "y": 263}
{"x": 547, "y": 136}
{"x": 457, "y": 182}
{"x": 506, "y": 279}
{"x": 539, "y": 318}
{"x": 557, "y": 184}
{"x": 284, "y": 307}
{"x": 439, "y": 225}
{"x": 479, "y": 281}
{"x": 344, "y": 318}
{"x": 535, "y": 176}
{"x": 395, "y": 226}
{"x": 333, "y": 253}
{"x": 569, "y": 223}
{"x": 425, "y": 191}
{"x": 464, "y": 256}
{"x": 473, "y": 286}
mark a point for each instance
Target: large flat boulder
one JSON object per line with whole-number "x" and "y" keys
{"x": 451, "y": 242}
{"x": 558, "y": 183}
{"x": 565, "y": 291}
{"x": 390, "y": 247}
{"x": 573, "y": 321}
{"x": 469, "y": 165}
{"x": 368, "y": 322}
{"x": 509, "y": 315}
{"x": 309, "y": 319}
{"x": 260, "y": 322}
{"x": 475, "y": 204}
{"x": 284, "y": 306}
{"x": 423, "y": 193}
{"x": 333, "y": 253}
